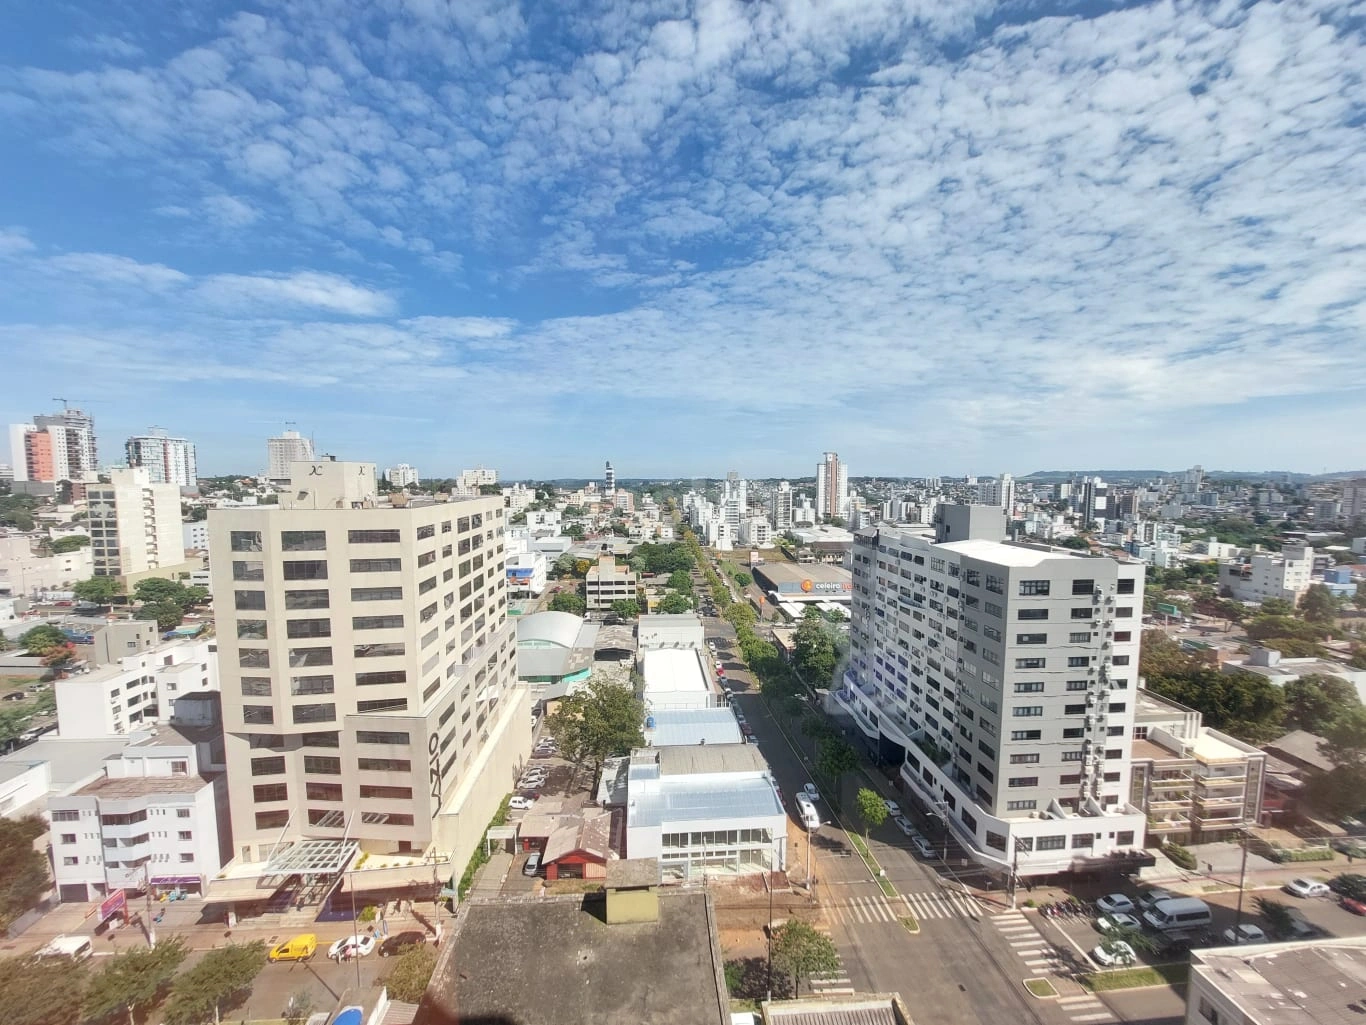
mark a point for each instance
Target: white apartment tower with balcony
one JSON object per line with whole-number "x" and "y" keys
{"x": 167, "y": 460}
{"x": 734, "y": 501}
{"x": 367, "y": 665}
{"x": 832, "y": 487}
{"x": 135, "y": 528}
{"x": 780, "y": 507}
{"x": 289, "y": 447}
{"x": 1003, "y": 676}
{"x": 402, "y": 475}
{"x": 73, "y": 442}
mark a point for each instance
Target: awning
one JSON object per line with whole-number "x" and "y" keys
{"x": 312, "y": 858}
{"x": 177, "y": 880}
{"x": 421, "y": 877}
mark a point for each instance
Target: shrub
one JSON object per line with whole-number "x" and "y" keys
{"x": 1180, "y": 856}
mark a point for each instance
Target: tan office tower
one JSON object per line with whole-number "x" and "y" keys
{"x": 368, "y": 667}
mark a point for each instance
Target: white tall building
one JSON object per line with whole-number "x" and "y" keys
{"x": 73, "y": 442}
{"x": 734, "y": 501}
{"x": 832, "y": 486}
{"x": 367, "y": 665}
{"x": 167, "y": 460}
{"x": 135, "y": 527}
{"x": 289, "y": 447}
{"x": 1005, "y": 677}
{"x": 780, "y": 508}
{"x": 999, "y": 492}
{"x": 609, "y": 479}
{"x": 473, "y": 480}
{"x": 1261, "y": 575}
{"x": 402, "y": 475}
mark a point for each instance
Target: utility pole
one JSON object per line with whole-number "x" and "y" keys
{"x": 1242, "y": 876}
{"x": 147, "y": 893}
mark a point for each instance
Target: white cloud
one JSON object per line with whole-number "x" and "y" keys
{"x": 308, "y": 289}
{"x": 112, "y": 269}
{"x": 14, "y": 241}
{"x": 230, "y": 212}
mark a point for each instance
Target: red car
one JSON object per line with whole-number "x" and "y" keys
{"x": 1356, "y": 907}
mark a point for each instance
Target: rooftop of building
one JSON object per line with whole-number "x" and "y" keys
{"x": 73, "y": 760}
{"x": 692, "y": 726}
{"x": 562, "y": 629}
{"x": 796, "y": 573}
{"x": 668, "y": 670}
{"x": 858, "y": 1009}
{"x": 520, "y": 962}
{"x": 687, "y": 799}
{"x": 1301, "y": 746}
{"x": 120, "y": 788}
{"x": 703, "y": 759}
{"x": 1318, "y": 982}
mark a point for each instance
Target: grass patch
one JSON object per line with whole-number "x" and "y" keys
{"x": 910, "y": 924}
{"x": 1040, "y": 988}
{"x": 1175, "y": 974}
{"x": 863, "y": 852}
{"x": 574, "y": 886}
{"x": 1212, "y": 888}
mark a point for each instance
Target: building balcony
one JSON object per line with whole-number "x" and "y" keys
{"x": 1169, "y": 825}
{"x": 1177, "y": 802}
{"x": 1223, "y": 782}
{"x": 1220, "y": 800}
{"x": 1182, "y": 782}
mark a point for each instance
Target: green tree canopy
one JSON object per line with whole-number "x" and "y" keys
{"x": 835, "y": 757}
{"x": 49, "y": 991}
{"x": 100, "y": 590}
{"x": 565, "y": 601}
{"x": 664, "y": 558}
{"x": 1319, "y": 605}
{"x": 23, "y": 870}
{"x": 602, "y": 720}
{"x": 871, "y": 808}
{"x": 72, "y": 543}
{"x": 42, "y": 639}
{"x": 673, "y": 604}
{"x": 1261, "y": 628}
{"x": 741, "y": 614}
{"x": 1244, "y": 704}
{"x": 814, "y": 648}
{"x": 168, "y": 614}
{"x": 800, "y": 951}
{"x": 1276, "y": 607}
{"x": 217, "y": 982}
{"x": 681, "y": 580}
{"x": 626, "y": 608}
{"x": 411, "y": 973}
{"x": 133, "y": 981}
{"x": 159, "y": 589}
{"x": 1313, "y": 703}
{"x": 574, "y": 530}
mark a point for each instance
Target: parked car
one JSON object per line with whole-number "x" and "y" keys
{"x": 520, "y": 803}
{"x": 1149, "y": 898}
{"x": 351, "y": 946}
{"x": 1356, "y": 907}
{"x": 923, "y": 847}
{"x": 810, "y": 790}
{"x": 904, "y": 824}
{"x": 893, "y": 809}
{"x": 1115, "y": 954}
{"x": 1113, "y": 902}
{"x": 1306, "y": 888}
{"x": 395, "y": 943}
{"x": 1246, "y": 934}
{"x": 1117, "y": 921}
{"x": 296, "y": 948}
{"x": 533, "y": 864}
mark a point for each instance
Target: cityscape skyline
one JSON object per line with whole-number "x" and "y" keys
{"x": 525, "y": 237}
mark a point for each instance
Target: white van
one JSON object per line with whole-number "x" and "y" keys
{"x": 78, "y": 948}
{"x": 811, "y": 818}
{"x": 1178, "y": 913}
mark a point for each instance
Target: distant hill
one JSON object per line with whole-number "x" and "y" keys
{"x": 1276, "y": 475}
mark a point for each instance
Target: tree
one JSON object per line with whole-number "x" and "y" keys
{"x": 814, "y": 648}
{"x": 1277, "y": 607}
{"x": 100, "y": 590}
{"x": 872, "y": 810}
{"x": 48, "y": 991}
{"x": 1319, "y": 605}
{"x": 133, "y": 981}
{"x": 680, "y": 580}
{"x": 168, "y": 614}
{"x": 564, "y": 565}
{"x": 673, "y": 604}
{"x": 298, "y": 1008}
{"x": 741, "y": 615}
{"x": 637, "y": 565}
{"x": 154, "y": 589}
{"x": 564, "y": 601}
{"x": 575, "y": 531}
{"x": 835, "y": 757}
{"x": 800, "y": 951}
{"x": 41, "y": 639}
{"x": 411, "y": 973}
{"x": 626, "y": 608}
{"x": 23, "y": 870}
{"x": 1313, "y": 703}
{"x": 1340, "y": 790}
{"x": 220, "y": 979}
{"x": 598, "y": 722}
{"x": 74, "y": 543}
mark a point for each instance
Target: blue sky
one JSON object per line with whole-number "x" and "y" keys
{"x": 936, "y": 235}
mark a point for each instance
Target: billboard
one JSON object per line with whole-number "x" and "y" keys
{"x": 113, "y": 904}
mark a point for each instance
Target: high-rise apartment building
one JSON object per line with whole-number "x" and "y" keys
{"x": 999, "y": 492}
{"x": 1353, "y": 499}
{"x": 135, "y": 527}
{"x": 609, "y": 479}
{"x": 31, "y": 450}
{"x": 734, "y": 501}
{"x": 832, "y": 486}
{"x": 402, "y": 475}
{"x": 73, "y": 443}
{"x": 1003, "y": 677}
{"x": 167, "y": 460}
{"x": 781, "y": 506}
{"x": 368, "y": 666}
{"x": 289, "y": 447}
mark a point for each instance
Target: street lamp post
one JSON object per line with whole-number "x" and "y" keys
{"x": 1242, "y": 878}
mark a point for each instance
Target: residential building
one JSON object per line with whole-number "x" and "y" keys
{"x": 135, "y": 528}
{"x": 1002, "y": 676}
{"x": 32, "y": 452}
{"x": 526, "y": 568}
{"x": 73, "y": 443}
{"x": 756, "y": 532}
{"x": 701, "y": 808}
{"x": 1269, "y": 664}
{"x": 402, "y": 475}
{"x": 151, "y": 820}
{"x": 195, "y": 536}
{"x": 358, "y": 642}
{"x": 832, "y": 486}
{"x": 1315, "y": 980}
{"x": 1262, "y": 575}
{"x": 780, "y": 509}
{"x": 999, "y": 492}
{"x": 473, "y": 480}
{"x": 24, "y": 571}
{"x": 607, "y": 582}
{"x": 289, "y": 448}
{"x": 1353, "y": 507}
{"x": 609, "y": 479}
{"x": 167, "y": 460}
{"x": 1195, "y": 784}
{"x": 734, "y": 502}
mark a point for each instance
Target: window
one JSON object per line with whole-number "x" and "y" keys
{"x": 314, "y": 713}
{"x": 372, "y": 537}
{"x": 1078, "y": 684}
{"x": 298, "y": 600}
{"x": 1023, "y": 781}
{"x": 996, "y": 840}
{"x": 1051, "y": 843}
{"x": 1032, "y": 614}
{"x": 995, "y": 584}
{"x": 1081, "y": 637}
{"x": 1124, "y": 838}
{"x": 182, "y": 813}
{"x": 320, "y": 739}
{"x": 1123, "y": 635}
{"x": 301, "y": 569}
{"x": 1078, "y": 661}
{"x": 71, "y": 861}
{"x": 426, "y": 558}
{"x": 373, "y": 737}
{"x": 1125, "y": 613}
{"x": 1021, "y": 805}
{"x": 426, "y": 531}
{"x": 253, "y": 658}
{"x": 376, "y": 565}
{"x": 256, "y": 686}
{"x": 1031, "y": 638}
{"x": 1029, "y": 688}
{"x": 1120, "y": 660}
{"x": 376, "y": 622}
{"x": 303, "y": 540}
{"x": 1026, "y": 711}
{"x": 309, "y": 628}
{"x": 66, "y": 815}
{"x": 245, "y": 540}
{"x": 249, "y": 600}
{"x": 267, "y": 766}
{"x": 375, "y": 679}
{"x": 322, "y": 765}
{"x": 392, "y": 793}
{"x": 1028, "y": 759}
{"x": 383, "y": 705}
{"x": 254, "y": 570}
{"x": 266, "y": 792}
{"x": 186, "y": 858}
{"x": 992, "y": 609}
{"x": 1034, "y": 587}
{"x": 1074, "y": 710}
{"x": 303, "y": 685}
{"x": 1026, "y": 734}
{"x": 300, "y": 657}
{"x": 1030, "y": 663}
{"x": 272, "y": 819}
{"x": 1117, "y": 706}
{"x": 376, "y": 593}
{"x": 1069, "y": 780}
{"x": 258, "y": 715}
{"x": 1082, "y": 841}
{"x": 251, "y": 629}
{"x": 68, "y": 838}
{"x": 1083, "y": 587}
{"x": 1073, "y": 733}
{"x": 384, "y": 765}
{"x": 323, "y": 791}
{"x": 1072, "y": 756}
{"x": 1126, "y": 586}
{"x": 378, "y": 650}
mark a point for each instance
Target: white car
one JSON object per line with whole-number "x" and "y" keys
{"x": 520, "y": 803}
{"x": 923, "y": 847}
{"x": 1113, "y": 902}
{"x": 1246, "y": 934}
{"x": 1306, "y": 888}
{"x": 893, "y": 809}
{"x": 351, "y": 946}
{"x": 1114, "y": 954}
{"x": 904, "y": 824}
{"x": 1117, "y": 921}
{"x": 810, "y": 790}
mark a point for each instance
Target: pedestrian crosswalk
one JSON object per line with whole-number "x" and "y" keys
{"x": 834, "y": 983}
{"x": 1085, "y": 1008}
{"x": 1041, "y": 957}
{"x": 924, "y": 907}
